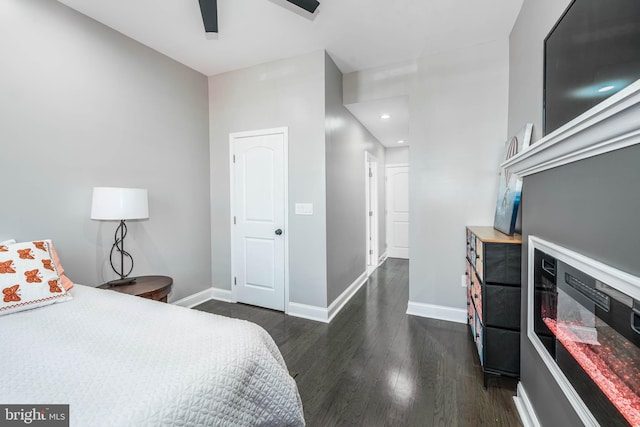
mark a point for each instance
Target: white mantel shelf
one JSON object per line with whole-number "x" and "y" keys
{"x": 611, "y": 125}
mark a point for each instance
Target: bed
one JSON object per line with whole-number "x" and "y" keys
{"x": 120, "y": 360}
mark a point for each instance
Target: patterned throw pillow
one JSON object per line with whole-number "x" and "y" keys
{"x": 66, "y": 282}
{"x": 29, "y": 277}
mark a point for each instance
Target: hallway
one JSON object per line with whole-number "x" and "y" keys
{"x": 374, "y": 365}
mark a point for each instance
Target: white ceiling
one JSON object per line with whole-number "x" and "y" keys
{"x": 387, "y": 131}
{"x": 357, "y": 34}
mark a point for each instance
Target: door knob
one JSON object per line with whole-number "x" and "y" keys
{"x": 278, "y": 232}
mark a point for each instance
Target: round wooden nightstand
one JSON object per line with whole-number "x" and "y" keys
{"x": 151, "y": 287}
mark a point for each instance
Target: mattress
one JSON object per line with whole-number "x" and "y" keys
{"x": 119, "y": 360}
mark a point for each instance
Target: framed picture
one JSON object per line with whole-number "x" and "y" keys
{"x": 509, "y": 185}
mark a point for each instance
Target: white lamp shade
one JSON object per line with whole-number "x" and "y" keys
{"x": 119, "y": 203}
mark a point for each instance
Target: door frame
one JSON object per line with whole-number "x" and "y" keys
{"x": 371, "y": 197}
{"x": 284, "y": 131}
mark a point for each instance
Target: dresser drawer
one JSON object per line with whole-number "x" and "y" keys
{"x": 479, "y": 338}
{"x": 479, "y": 254}
{"x": 159, "y": 295}
{"x": 502, "y": 306}
{"x": 502, "y": 352}
{"x": 471, "y": 313}
{"x": 479, "y": 267}
{"x": 471, "y": 255}
{"x": 476, "y": 294}
{"x": 501, "y": 263}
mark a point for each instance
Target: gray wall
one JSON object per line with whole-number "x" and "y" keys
{"x": 346, "y": 143}
{"x": 83, "y": 106}
{"x": 590, "y": 206}
{"x": 396, "y": 156}
{"x": 457, "y": 130}
{"x": 288, "y": 93}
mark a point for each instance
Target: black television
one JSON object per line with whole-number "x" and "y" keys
{"x": 591, "y": 53}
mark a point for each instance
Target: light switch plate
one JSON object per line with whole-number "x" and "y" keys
{"x": 304, "y": 208}
{"x": 464, "y": 281}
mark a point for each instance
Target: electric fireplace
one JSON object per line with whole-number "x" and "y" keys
{"x": 584, "y": 320}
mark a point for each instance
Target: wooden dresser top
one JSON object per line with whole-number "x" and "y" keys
{"x": 491, "y": 235}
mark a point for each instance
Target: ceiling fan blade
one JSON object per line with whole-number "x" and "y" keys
{"x": 209, "y": 10}
{"x": 308, "y": 5}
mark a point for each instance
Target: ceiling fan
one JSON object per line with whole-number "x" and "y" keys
{"x": 209, "y": 10}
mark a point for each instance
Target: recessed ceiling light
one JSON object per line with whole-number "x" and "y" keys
{"x": 606, "y": 89}
{"x": 385, "y": 116}
{"x": 401, "y": 142}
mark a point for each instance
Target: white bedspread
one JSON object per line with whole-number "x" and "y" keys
{"x": 119, "y": 360}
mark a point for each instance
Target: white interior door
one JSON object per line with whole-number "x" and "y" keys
{"x": 259, "y": 213}
{"x": 397, "y": 211}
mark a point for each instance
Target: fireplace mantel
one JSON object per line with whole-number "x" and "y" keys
{"x": 611, "y": 125}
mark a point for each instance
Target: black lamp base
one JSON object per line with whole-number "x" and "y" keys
{"x": 120, "y": 282}
{"x": 118, "y": 246}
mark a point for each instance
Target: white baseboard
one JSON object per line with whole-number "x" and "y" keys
{"x": 382, "y": 258}
{"x": 339, "y": 303}
{"x": 439, "y": 312}
{"x": 311, "y": 312}
{"x": 195, "y": 299}
{"x": 204, "y": 296}
{"x": 525, "y": 409}
{"x": 221, "y": 295}
{"x": 326, "y": 315}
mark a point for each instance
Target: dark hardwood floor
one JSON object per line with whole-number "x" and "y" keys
{"x": 374, "y": 365}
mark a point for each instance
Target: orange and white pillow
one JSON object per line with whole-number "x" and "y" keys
{"x": 29, "y": 277}
{"x": 66, "y": 282}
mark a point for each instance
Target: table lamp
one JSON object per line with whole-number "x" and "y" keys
{"x": 119, "y": 204}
